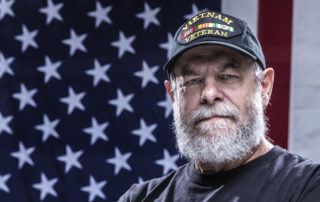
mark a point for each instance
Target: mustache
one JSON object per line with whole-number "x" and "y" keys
{"x": 218, "y": 110}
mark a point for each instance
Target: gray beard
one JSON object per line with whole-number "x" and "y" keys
{"x": 220, "y": 144}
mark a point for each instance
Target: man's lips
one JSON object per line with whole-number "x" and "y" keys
{"x": 215, "y": 117}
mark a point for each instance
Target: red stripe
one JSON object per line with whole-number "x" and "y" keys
{"x": 274, "y": 32}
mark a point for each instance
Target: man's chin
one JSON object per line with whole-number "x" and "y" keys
{"x": 214, "y": 133}
{"x": 214, "y": 130}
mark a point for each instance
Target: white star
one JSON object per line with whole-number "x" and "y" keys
{"x": 145, "y": 132}
{"x": 124, "y": 44}
{"x": 50, "y": 69}
{"x": 149, "y": 16}
{"x": 96, "y": 131}
{"x": 46, "y": 186}
{"x": 5, "y": 8}
{"x": 122, "y": 102}
{"x": 3, "y": 180}
{"x": 23, "y": 155}
{"x": 167, "y": 105}
{"x": 147, "y": 74}
{"x": 5, "y": 65}
{"x": 195, "y": 10}
{"x": 52, "y": 11}
{"x": 25, "y": 97}
{"x": 94, "y": 189}
{"x": 99, "y": 72}
{"x": 73, "y": 100}
{"x": 75, "y": 42}
{"x": 4, "y": 122}
{"x": 168, "y": 44}
{"x": 119, "y": 161}
{"x": 48, "y": 128}
{"x": 71, "y": 159}
{"x": 27, "y": 38}
{"x": 168, "y": 162}
{"x": 101, "y": 14}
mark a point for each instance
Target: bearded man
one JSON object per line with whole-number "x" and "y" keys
{"x": 219, "y": 86}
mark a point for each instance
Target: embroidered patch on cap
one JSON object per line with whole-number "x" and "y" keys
{"x": 208, "y": 23}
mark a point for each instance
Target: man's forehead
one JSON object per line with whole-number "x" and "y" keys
{"x": 210, "y": 52}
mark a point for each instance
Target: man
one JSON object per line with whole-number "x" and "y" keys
{"x": 220, "y": 86}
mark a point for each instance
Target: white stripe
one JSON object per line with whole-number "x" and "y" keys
{"x": 246, "y": 10}
{"x": 304, "y": 127}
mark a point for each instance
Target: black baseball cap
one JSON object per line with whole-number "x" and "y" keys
{"x": 210, "y": 27}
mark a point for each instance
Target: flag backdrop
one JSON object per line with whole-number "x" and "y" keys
{"x": 83, "y": 110}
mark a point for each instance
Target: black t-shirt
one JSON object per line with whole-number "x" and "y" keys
{"x": 276, "y": 176}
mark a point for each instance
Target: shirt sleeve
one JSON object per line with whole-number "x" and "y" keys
{"x": 311, "y": 192}
{"x": 127, "y": 196}
{"x": 136, "y": 193}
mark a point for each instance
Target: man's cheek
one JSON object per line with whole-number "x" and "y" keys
{"x": 192, "y": 103}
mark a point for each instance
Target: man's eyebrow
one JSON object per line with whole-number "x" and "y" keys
{"x": 187, "y": 71}
{"x": 233, "y": 65}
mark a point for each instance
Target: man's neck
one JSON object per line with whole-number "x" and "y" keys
{"x": 208, "y": 168}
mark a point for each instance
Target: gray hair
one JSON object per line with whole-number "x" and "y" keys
{"x": 257, "y": 71}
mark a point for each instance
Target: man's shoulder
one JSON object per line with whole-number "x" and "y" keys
{"x": 295, "y": 161}
{"x": 303, "y": 172}
{"x": 291, "y": 165}
{"x": 156, "y": 185}
{"x": 290, "y": 168}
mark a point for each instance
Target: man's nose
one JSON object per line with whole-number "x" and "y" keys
{"x": 211, "y": 92}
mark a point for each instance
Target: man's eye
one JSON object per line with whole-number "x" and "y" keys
{"x": 228, "y": 76}
{"x": 193, "y": 81}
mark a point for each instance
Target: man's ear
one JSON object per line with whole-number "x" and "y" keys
{"x": 167, "y": 84}
{"x": 267, "y": 79}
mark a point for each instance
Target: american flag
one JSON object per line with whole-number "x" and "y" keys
{"x": 83, "y": 110}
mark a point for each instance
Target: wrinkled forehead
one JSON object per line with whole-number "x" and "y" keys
{"x": 215, "y": 53}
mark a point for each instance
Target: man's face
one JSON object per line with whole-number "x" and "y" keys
{"x": 218, "y": 112}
